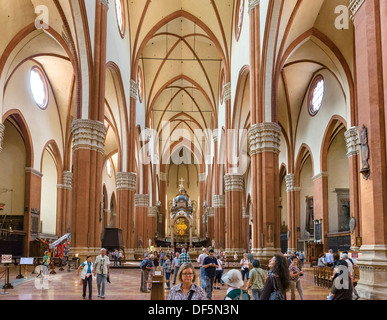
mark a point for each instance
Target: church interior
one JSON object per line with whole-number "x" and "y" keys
{"x": 243, "y": 125}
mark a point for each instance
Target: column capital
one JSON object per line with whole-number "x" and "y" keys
{"x": 227, "y": 92}
{"x": 202, "y": 177}
{"x": 126, "y": 181}
{"x": 233, "y": 182}
{"x": 67, "y": 178}
{"x": 105, "y": 3}
{"x": 290, "y": 180}
{"x": 210, "y": 212}
{"x": 352, "y": 139}
{"x": 253, "y": 4}
{"x": 2, "y": 129}
{"x": 89, "y": 134}
{"x": 320, "y": 175}
{"x": 141, "y": 200}
{"x": 133, "y": 89}
{"x": 153, "y": 212}
{"x": 215, "y": 135}
{"x": 35, "y": 172}
{"x": 354, "y": 7}
{"x": 219, "y": 201}
{"x": 265, "y": 137}
{"x": 163, "y": 176}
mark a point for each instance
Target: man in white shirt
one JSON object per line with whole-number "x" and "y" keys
{"x": 102, "y": 268}
{"x": 202, "y": 270}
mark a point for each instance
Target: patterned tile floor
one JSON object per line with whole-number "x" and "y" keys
{"x": 125, "y": 285}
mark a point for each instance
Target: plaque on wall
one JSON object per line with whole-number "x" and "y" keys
{"x": 352, "y": 224}
{"x": 270, "y": 235}
{"x": 318, "y": 231}
{"x": 358, "y": 242}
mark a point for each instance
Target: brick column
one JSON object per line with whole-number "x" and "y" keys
{"x": 234, "y": 185}
{"x": 64, "y": 203}
{"x": 320, "y": 205}
{"x": 210, "y": 224}
{"x": 291, "y": 204}
{"x": 219, "y": 204}
{"x": 126, "y": 188}
{"x": 163, "y": 200}
{"x": 371, "y": 62}
{"x": 32, "y": 202}
{"x": 202, "y": 190}
{"x": 264, "y": 140}
{"x": 141, "y": 203}
{"x": 88, "y": 152}
{"x": 151, "y": 223}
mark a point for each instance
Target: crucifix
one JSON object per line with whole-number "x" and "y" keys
{"x": 181, "y": 182}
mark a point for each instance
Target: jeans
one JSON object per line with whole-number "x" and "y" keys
{"x": 203, "y": 277}
{"x": 144, "y": 279}
{"x": 101, "y": 284}
{"x": 88, "y": 281}
{"x": 245, "y": 272}
{"x": 293, "y": 286}
{"x": 161, "y": 262}
{"x": 168, "y": 277}
{"x": 256, "y": 294}
{"x": 176, "y": 272}
{"x": 209, "y": 286}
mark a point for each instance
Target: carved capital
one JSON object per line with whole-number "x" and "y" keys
{"x": 253, "y": 4}
{"x": 264, "y": 137}
{"x": 2, "y": 129}
{"x": 105, "y": 3}
{"x": 67, "y": 181}
{"x": 141, "y": 200}
{"x": 290, "y": 180}
{"x": 202, "y": 177}
{"x": 218, "y": 201}
{"x": 320, "y": 175}
{"x": 35, "y": 172}
{"x": 354, "y": 7}
{"x": 215, "y": 135}
{"x": 89, "y": 134}
{"x": 126, "y": 181}
{"x": 227, "y": 92}
{"x": 133, "y": 89}
{"x": 233, "y": 182}
{"x": 210, "y": 212}
{"x": 352, "y": 139}
{"x": 163, "y": 176}
{"x": 153, "y": 212}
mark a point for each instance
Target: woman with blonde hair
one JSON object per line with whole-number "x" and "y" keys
{"x": 186, "y": 289}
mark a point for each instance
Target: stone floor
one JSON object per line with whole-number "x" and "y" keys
{"x": 125, "y": 285}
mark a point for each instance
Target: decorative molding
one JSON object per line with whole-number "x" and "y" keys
{"x": 320, "y": 175}
{"x": 163, "y": 176}
{"x": 126, "y": 181}
{"x": 219, "y": 201}
{"x": 352, "y": 138}
{"x": 133, "y": 89}
{"x": 290, "y": 180}
{"x": 35, "y": 172}
{"x": 265, "y": 137}
{"x": 253, "y": 4}
{"x": 67, "y": 181}
{"x": 2, "y": 129}
{"x": 105, "y": 3}
{"x": 89, "y": 134}
{"x": 202, "y": 177}
{"x": 141, "y": 200}
{"x": 215, "y": 135}
{"x": 210, "y": 212}
{"x": 153, "y": 212}
{"x": 227, "y": 92}
{"x": 354, "y": 7}
{"x": 233, "y": 182}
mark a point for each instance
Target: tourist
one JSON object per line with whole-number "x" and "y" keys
{"x": 219, "y": 271}
{"x": 233, "y": 279}
{"x": 342, "y": 287}
{"x": 302, "y": 258}
{"x": 321, "y": 260}
{"x": 250, "y": 257}
{"x": 202, "y": 270}
{"x": 329, "y": 258}
{"x": 187, "y": 289}
{"x": 156, "y": 259}
{"x": 184, "y": 257}
{"x": 257, "y": 280}
{"x": 223, "y": 258}
{"x": 295, "y": 281}
{"x": 120, "y": 257}
{"x": 245, "y": 267}
{"x": 277, "y": 282}
{"x": 336, "y": 258}
{"x": 162, "y": 256}
{"x": 146, "y": 273}
{"x": 175, "y": 267}
{"x": 102, "y": 269}
{"x": 167, "y": 270}
{"x": 210, "y": 264}
{"x": 46, "y": 263}
{"x": 86, "y": 276}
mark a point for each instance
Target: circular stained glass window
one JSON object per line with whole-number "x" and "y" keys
{"x": 239, "y": 18}
{"x": 38, "y": 87}
{"x": 120, "y": 16}
{"x": 316, "y": 95}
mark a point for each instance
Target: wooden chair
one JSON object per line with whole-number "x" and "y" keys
{"x": 315, "y": 275}
{"x": 320, "y": 277}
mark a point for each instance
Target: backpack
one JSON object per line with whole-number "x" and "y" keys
{"x": 238, "y": 295}
{"x": 143, "y": 264}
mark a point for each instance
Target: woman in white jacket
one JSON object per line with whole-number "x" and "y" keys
{"x": 87, "y": 276}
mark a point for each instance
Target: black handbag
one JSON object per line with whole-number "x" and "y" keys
{"x": 277, "y": 294}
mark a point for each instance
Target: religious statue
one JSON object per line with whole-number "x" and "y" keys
{"x": 365, "y": 153}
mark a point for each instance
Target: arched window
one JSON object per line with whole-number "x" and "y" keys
{"x": 109, "y": 168}
{"x": 120, "y": 14}
{"x": 316, "y": 95}
{"x": 38, "y": 87}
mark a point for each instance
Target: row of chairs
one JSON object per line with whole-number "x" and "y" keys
{"x": 323, "y": 276}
